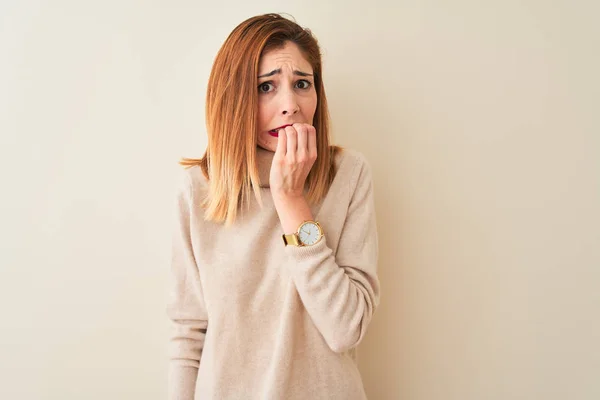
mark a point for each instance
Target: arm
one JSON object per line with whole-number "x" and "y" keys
{"x": 185, "y": 308}
{"x": 341, "y": 293}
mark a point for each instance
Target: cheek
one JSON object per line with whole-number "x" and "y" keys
{"x": 260, "y": 115}
{"x": 310, "y": 104}
{"x": 264, "y": 111}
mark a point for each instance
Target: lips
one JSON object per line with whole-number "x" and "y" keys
{"x": 277, "y": 129}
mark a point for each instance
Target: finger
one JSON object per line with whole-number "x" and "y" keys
{"x": 312, "y": 142}
{"x": 281, "y": 144}
{"x": 302, "y": 139}
{"x": 292, "y": 141}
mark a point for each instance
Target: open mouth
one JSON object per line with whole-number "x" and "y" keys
{"x": 275, "y": 131}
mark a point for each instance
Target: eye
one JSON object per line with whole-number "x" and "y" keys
{"x": 304, "y": 84}
{"x": 264, "y": 87}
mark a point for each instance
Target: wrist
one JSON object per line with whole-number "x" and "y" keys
{"x": 292, "y": 212}
{"x": 287, "y": 197}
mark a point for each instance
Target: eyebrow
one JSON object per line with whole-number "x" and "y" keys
{"x": 278, "y": 71}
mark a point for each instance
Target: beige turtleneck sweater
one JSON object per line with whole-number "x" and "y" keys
{"x": 254, "y": 319}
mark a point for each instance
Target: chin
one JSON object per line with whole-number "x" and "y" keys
{"x": 268, "y": 143}
{"x": 268, "y": 148}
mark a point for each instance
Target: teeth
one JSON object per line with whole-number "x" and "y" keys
{"x": 277, "y": 129}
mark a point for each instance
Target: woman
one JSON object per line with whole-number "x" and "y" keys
{"x": 275, "y": 248}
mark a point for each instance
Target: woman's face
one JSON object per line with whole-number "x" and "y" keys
{"x": 286, "y": 92}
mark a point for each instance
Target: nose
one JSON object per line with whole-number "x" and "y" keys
{"x": 289, "y": 103}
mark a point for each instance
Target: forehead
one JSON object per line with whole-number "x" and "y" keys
{"x": 290, "y": 54}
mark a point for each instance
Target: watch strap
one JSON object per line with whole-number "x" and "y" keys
{"x": 291, "y": 240}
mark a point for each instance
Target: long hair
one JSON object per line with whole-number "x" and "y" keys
{"x": 229, "y": 163}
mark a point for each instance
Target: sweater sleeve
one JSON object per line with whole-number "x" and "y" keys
{"x": 185, "y": 309}
{"x": 341, "y": 292}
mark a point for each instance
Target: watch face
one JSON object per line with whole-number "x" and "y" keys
{"x": 309, "y": 233}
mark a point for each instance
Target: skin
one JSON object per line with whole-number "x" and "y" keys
{"x": 286, "y": 97}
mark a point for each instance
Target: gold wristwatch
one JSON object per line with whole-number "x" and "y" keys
{"x": 308, "y": 234}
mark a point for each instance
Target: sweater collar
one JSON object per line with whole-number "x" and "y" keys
{"x": 264, "y": 159}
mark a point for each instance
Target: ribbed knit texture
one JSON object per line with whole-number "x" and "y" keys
{"x": 253, "y": 319}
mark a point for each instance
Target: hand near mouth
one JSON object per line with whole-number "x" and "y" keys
{"x": 294, "y": 157}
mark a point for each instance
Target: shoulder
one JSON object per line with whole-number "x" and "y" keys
{"x": 351, "y": 165}
{"x": 191, "y": 181}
